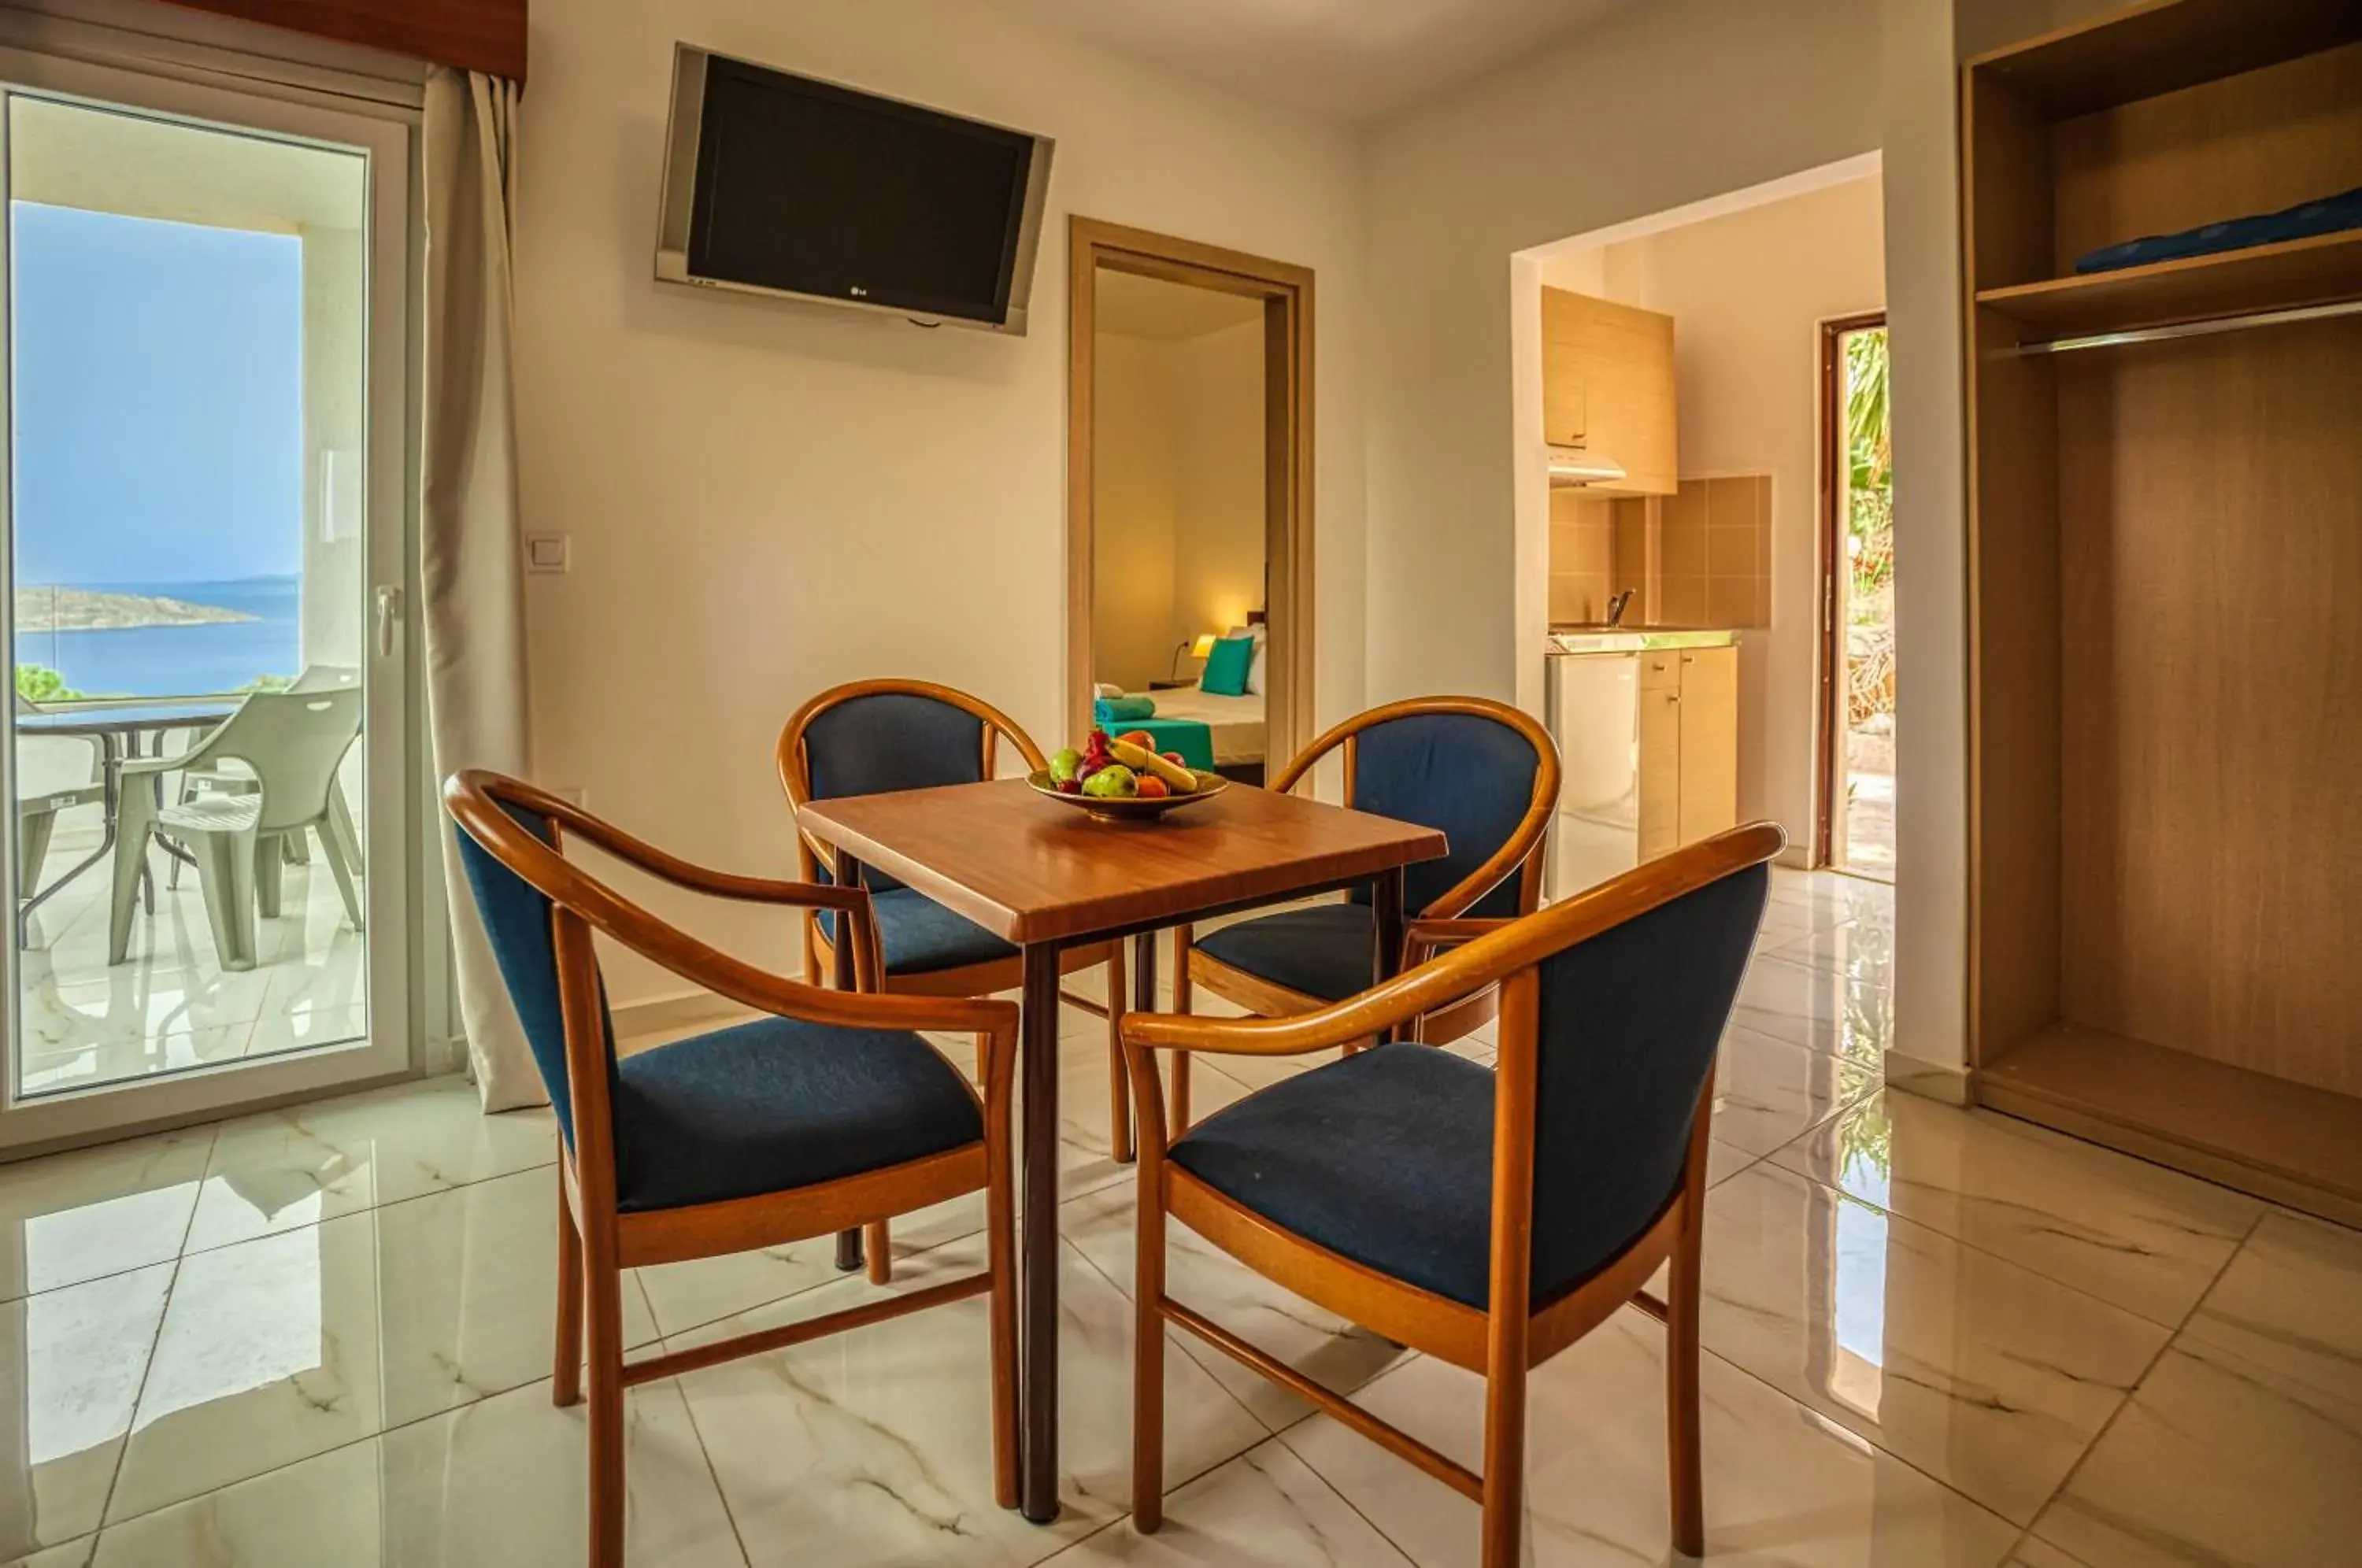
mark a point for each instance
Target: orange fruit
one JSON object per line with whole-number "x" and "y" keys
{"x": 1153, "y": 787}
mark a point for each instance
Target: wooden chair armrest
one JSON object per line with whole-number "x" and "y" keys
{"x": 750, "y": 986}
{"x": 1423, "y": 939}
{"x": 697, "y": 879}
{"x": 1483, "y": 960}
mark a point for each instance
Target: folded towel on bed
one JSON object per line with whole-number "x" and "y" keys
{"x": 1192, "y": 740}
{"x": 1123, "y": 710}
{"x": 2330, "y": 214}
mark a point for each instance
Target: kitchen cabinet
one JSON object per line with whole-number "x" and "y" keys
{"x": 1608, "y": 387}
{"x": 1689, "y": 746}
{"x": 1649, "y": 738}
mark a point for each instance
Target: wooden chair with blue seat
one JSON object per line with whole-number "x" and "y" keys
{"x": 1490, "y": 1218}
{"x": 872, "y": 738}
{"x": 1483, "y": 773}
{"x": 828, "y": 1112}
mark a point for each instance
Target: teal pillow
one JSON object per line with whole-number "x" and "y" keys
{"x": 1226, "y": 666}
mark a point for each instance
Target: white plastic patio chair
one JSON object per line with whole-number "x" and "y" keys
{"x": 54, "y": 773}
{"x": 292, "y": 743}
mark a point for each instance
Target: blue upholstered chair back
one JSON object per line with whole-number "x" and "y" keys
{"x": 1629, "y": 1022}
{"x": 885, "y": 741}
{"x": 516, "y": 916}
{"x": 1468, "y": 777}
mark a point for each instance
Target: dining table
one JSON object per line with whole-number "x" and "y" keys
{"x": 1043, "y": 875}
{"x": 118, "y": 728}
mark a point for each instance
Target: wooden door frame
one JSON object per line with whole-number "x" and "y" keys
{"x": 1285, "y": 290}
{"x": 1827, "y": 723}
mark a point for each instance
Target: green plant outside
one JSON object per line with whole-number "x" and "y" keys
{"x": 1870, "y": 478}
{"x": 40, "y": 683}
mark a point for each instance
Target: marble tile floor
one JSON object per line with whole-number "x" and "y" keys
{"x": 320, "y": 1338}
{"x": 171, "y": 1004}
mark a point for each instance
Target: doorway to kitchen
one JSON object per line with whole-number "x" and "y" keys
{"x": 1856, "y": 827}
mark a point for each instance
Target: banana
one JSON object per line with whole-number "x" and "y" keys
{"x": 1140, "y": 759}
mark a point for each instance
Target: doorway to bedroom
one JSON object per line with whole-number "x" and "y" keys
{"x": 1189, "y": 495}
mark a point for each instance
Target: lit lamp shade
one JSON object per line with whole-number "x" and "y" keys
{"x": 1204, "y": 647}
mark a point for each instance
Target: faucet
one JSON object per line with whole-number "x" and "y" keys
{"x": 1615, "y": 607}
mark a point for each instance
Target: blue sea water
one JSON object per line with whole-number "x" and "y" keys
{"x": 180, "y": 661}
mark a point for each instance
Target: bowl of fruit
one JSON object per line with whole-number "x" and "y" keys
{"x": 1124, "y": 779}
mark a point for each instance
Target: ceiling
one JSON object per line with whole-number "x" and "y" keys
{"x": 1353, "y": 59}
{"x": 1134, "y": 306}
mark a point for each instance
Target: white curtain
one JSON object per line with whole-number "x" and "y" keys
{"x": 470, "y": 557}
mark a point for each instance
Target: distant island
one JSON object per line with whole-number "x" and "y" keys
{"x": 91, "y": 610}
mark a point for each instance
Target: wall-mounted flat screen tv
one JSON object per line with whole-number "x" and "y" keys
{"x": 784, "y": 184}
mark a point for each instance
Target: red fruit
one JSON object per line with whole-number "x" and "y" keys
{"x": 1140, "y": 738}
{"x": 1176, "y": 759}
{"x": 1096, "y": 741}
{"x": 1070, "y": 786}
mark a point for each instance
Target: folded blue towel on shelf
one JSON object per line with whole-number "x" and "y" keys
{"x": 1109, "y": 711}
{"x": 2330, "y": 214}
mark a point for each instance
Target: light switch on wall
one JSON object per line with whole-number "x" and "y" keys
{"x": 545, "y": 552}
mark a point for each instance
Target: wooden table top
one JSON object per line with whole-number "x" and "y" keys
{"x": 1030, "y": 870}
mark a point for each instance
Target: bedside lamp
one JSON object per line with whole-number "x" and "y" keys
{"x": 1202, "y": 648}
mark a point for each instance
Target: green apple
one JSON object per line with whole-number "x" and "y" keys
{"x": 1066, "y": 764}
{"x": 1114, "y": 782}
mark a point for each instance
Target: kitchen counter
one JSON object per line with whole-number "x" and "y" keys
{"x": 1566, "y": 639}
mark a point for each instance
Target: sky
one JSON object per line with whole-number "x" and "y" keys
{"x": 157, "y": 395}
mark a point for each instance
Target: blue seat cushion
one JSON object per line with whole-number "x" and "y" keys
{"x": 920, "y": 936}
{"x": 1385, "y": 1157}
{"x": 777, "y": 1104}
{"x": 1329, "y": 951}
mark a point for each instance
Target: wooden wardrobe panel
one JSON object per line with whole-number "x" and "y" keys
{"x": 2210, "y": 495}
{"x": 2224, "y": 150}
{"x": 2007, "y": 218}
{"x": 2013, "y": 699}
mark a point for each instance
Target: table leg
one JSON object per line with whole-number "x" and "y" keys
{"x": 1388, "y": 912}
{"x": 848, "y": 875}
{"x": 1037, "y": 1330}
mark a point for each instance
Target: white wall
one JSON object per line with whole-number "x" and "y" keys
{"x": 1218, "y": 547}
{"x": 766, "y": 499}
{"x": 1179, "y": 496}
{"x": 1136, "y": 499}
{"x": 1657, "y": 106}
{"x": 1748, "y": 293}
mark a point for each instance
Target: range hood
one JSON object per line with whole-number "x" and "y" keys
{"x": 1575, "y": 466}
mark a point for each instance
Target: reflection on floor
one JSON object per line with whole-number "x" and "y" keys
{"x": 321, "y": 1338}
{"x": 170, "y": 1004}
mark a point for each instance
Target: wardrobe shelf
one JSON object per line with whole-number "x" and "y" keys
{"x": 2323, "y": 269}
{"x": 2163, "y": 46}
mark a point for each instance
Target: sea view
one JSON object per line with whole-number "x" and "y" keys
{"x": 175, "y": 660}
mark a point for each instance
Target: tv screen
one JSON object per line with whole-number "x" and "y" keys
{"x": 805, "y": 187}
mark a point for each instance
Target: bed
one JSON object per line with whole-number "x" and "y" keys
{"x": 1235, "y": 725}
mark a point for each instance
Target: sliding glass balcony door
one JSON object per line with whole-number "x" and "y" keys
{"x": 205, "y": 473}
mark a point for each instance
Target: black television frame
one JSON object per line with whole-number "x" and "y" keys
{"x": 678, "y": 216}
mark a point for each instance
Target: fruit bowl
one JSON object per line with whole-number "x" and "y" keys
{"x": 1128, "y": 808}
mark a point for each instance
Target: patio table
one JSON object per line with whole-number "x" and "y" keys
{"x": 1045, "y": 877}
{"x": 117, "y": 729}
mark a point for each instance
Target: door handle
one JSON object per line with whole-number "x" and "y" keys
{"x": 389, "y": 613}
